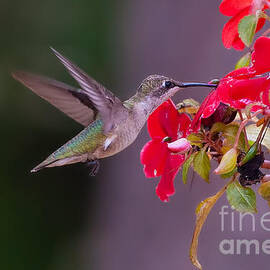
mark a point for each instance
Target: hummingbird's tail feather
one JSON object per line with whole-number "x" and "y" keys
{"x": 50, "y": 162}
{"x": 41, "y": 166}
{"x": 78, "y": 149}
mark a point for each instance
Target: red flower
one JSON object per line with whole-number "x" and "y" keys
{"x": 242, "y": 86}
{"x": 238, "y": 9}
{"x": 165, "y": 125}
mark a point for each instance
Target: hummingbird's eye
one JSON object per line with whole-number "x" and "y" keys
{"x": 168, "y": 84}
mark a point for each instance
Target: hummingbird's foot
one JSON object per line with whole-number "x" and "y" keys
{"x": 94, "y": 166}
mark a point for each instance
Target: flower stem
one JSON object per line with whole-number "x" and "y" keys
{"x": 242, "y": 125}
{"x": 265, "y": 124}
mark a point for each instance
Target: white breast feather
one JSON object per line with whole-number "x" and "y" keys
{"x": 108, "y": 141}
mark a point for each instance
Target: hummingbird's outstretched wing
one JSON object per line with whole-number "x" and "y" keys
{"x": 73, "y": 102}
{"x": 104, "y": 100}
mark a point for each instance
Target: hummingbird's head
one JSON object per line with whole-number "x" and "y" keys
{"x": 160, "y": 88}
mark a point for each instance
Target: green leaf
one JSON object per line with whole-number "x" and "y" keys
{"x": 253, "y": 132}
{"x": 246, "y": 29}
{"x": 188, "y": 102}
{"x": 241, "y": 198}
{"x": 244, "y": 61}
{"x": 229, "y": 133}
{"x": 264, "y": 190}
{"x": 195, "y": 139}
{"x": 229, "y": 174}
{"x": 202, "y": 212}
{"x": 217, "y": 127}
{"x": 251, "y": 153}
{"x": 201, "y": 165}
{"x": 189, "y": 106}
{"x": 186, "y": 166}
{"x": 228, "y": 162}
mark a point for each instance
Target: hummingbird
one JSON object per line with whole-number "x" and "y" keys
{"x": 110, "y": 124}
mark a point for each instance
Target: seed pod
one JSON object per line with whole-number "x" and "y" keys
{"x": 224, "y": 114}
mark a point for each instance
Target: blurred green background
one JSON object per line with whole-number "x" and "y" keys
{"x": 42, "y": 213}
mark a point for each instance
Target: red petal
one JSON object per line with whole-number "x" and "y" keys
{"x": 260, "y": 24}
{"x": 166, "y": 121}
{"x": 207, "y": 108}
{"x": 232, "y": 7}
{"x": 155, "y": 123}
{"x": 153, "y": 157}
{"x": 212, "y": 103}
{"x": 238, "y": 44}
{"x": 261, "y": 55}
{"x": 165, "y": 187}
{"x": 266, "y": 94}
{"x": 241, "y": 73}
{"x": 183, "y": 125}
{"x": 239, "y": 93}
{"x": 230, "y": 36}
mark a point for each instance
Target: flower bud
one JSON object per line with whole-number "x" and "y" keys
{"x": 228, "y": 162}
{"x": 180, "y": 146}
{"x": 223, "y": 113}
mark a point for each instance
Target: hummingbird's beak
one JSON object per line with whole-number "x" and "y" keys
{"x": 185, "y": 85}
